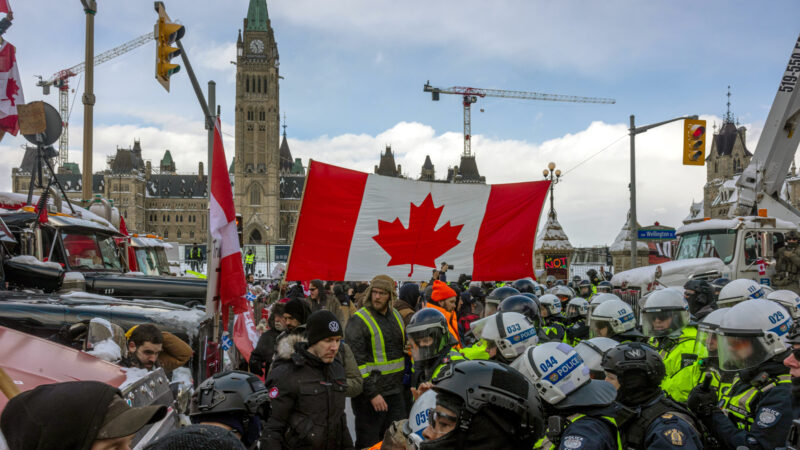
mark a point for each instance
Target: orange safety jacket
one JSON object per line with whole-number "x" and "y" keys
{"x": 452, "y": 322}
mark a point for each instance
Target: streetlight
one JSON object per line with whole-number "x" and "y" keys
{"x": 554, "y": 175}
{"x": 633, "y": 132}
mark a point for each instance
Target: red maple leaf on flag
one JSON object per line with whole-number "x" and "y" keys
{"x": 420, "y": 243}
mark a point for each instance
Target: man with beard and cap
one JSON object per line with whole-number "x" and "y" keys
{"x": 700, "y": 296}
{"x": 376, "y": 334}
{"x": 756, "y": 411}
{"x": 645, "y": 417}
{"x": 295, "y": 314}
{"x": 482, "y": 405}
{"x": 76, "y": 415}
{"x": 583, "y": 407}
{"x": 307, "y": 390}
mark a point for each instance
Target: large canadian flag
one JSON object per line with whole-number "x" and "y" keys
{"x": 10, "y": 89}
{"x": 353, "y": 226}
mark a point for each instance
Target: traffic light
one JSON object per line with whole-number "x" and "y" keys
{"x": 239, "y": 228}
{"x": 694, "y": 142}
{"x": 166, "y": 34}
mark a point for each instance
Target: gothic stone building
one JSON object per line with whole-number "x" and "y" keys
{"x": 466, "y": 172}
{"x": 727, "y": 159}
{"x": 267, "y": 181}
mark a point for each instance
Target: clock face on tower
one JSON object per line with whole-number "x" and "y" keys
{"x": 256, "y": 46}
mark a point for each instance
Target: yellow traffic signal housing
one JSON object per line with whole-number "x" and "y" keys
{"x": 694, "y": 142}
{"x": 166, "y": 33}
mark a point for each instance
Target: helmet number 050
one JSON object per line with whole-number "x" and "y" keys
{"x": 777, "y": 317}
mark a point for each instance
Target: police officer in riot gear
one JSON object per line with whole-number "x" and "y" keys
{"x": 482, "y": 405}
{"x": 431, "y": 344}
{"x": 495, "y": 297}
{"x": 575, "y": 317}
{"x": 700, "y": 296}
{"x": 550, "y": 309}
{"x": 604, "y": 287}
{"x": 647, "y": 419}
{"x": 524, "y": 285}
{"x": 614, "y": 319}
{"x": 579, "y": 409}
{"x": 756, "y": 412}
{"x": 787, "y": 268}
{"x": 586, "y": 289}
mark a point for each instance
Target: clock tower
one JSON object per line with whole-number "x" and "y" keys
{"x": 257, "y": 165}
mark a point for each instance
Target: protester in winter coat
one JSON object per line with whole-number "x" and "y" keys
{"x": 262, "y": 355}
{"x": 380, "y": 362}
{"x": 150, "y": 348}
{"x": 75, "y": 415}
{"x": 295, "y": 314}
{"x": 443, "y": 299}
{"x": 408, "y": 300}
{"x": 318, "y": 295}
{"x": 307, "y": 387}
{"x": 341, "y": 304}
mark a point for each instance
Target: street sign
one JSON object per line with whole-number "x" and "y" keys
{"x": 655, "y": 234}
{"x": 281, "y": 253}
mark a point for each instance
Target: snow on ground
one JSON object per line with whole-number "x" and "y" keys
{"x": 32, "y": 261}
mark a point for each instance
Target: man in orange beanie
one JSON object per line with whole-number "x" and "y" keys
{"x": 443, "y": 299}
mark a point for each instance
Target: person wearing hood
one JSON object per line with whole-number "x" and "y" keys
{"x": 262, "y": 355}
{"x": 318, "y": 296}
{"x": 582, "y": 405}
{"x": 376, "y": 334}
{"x": 306, "y": 386}
{"x": 443, "y": 299}
{"x": 699, "y": 294}
{"x": 341, "y": 304}
{"x": 408, "y": 300}
{"x": 78, "y": 415}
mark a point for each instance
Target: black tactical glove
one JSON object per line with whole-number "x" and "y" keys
{"x": 703, "y": 400}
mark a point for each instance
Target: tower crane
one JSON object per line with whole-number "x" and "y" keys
{"x": 470, "y": 95}
{"x": 61, "y": 78}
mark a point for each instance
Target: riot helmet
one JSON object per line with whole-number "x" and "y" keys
{"x": 665, "y": 313}
{"x": 235, "y": 398}
{"x": 550, "y": 281}
{"x": 718, "y": 284}
{"x": 550, "y": 306}
{"x": 592, "y": 275}
{"x": 584, "y": 288}
{"x": 706, "y": 342}
{"x": 591, "y": 351}
{"x": 527, "y": 305}
{"x": 751, "y": 333}
{"x": 510, "y": 332}
{"x": 600, "y": 298}
{"x": 738, "y": 291}
{"x": 637, "y": 369}
{"x": 604, "y": 287}
{"x": 563, "y": 293}
{"x": 492, "y": 404}
{"x": 789, "y": 300}
{"x": 496, "y": 296}
{"x": 577, "y": 308}
{"x": 476, "y": 290}
{"x": 428, "y": 334}
{"x": 419, "y": 417}
{"x": 524, "y": 285}
{"x": 610, "y": 318}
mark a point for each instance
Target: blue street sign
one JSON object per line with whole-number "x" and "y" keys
{"x": 656, "y": 235}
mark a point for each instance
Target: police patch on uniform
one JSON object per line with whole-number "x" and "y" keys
{"x": 572, "y": 442}
{"x": 767, "y": 417}
{"x": 273, "y": 393}
{"x": 675, "y": 437}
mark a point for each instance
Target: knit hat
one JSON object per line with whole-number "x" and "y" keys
{"x": 322, "y": 325}
{"x": 198, "y": 436}
{"x": 298, "y": 309}
{"x": 384, "y": 282}
{"x": 441, "y": 291}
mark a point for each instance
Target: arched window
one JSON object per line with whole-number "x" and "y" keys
{"x": 179, "y": 233}
{"x": 255, "y": 195}
{"x": 255, "y": 237}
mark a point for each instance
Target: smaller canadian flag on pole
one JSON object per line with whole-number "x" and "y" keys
{"x": 762, "y": 267}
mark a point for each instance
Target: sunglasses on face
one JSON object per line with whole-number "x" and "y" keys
{"x": 436, "y": 416}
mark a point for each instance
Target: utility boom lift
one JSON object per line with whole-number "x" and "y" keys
{"x": 61, "y": 80}
{"x": 470, "y": 95}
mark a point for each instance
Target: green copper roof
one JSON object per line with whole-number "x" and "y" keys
{"x": 167, "y": 159}
{"x": 257, "y": 15}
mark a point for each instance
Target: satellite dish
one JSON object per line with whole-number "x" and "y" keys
{"x": 49, "y": 131}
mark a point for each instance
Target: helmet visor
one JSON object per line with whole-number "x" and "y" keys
{"x": 575, "y": 311}
{"x": 664, "y": 322}
{"x": 741, "y": 352}
{"x": 478, "y": 326}
{"x": 600, "y": 327}
{"x": 426, "y": 343}
{"x": 706, "y": 343}
{"x": 490, "y": 307}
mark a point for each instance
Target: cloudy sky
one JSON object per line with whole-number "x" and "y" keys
{"x": 354, "y": 70}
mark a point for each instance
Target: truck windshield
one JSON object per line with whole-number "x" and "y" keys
{"x": 707, "y": 244}
{"x": 152, "y": 260}
{"x": 90, "y": 251}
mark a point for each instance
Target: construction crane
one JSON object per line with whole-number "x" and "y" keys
{"x": 470, "y": 96}
{"x": 61, "y": 78}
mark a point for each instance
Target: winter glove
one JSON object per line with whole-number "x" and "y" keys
{"x": 703, "y": 400}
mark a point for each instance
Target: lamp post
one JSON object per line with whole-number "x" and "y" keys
{"x": 634, "y": 130}
{"x": 554, "y": 175}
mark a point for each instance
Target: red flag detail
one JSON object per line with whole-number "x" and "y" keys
{"x": 10, "y": 89}
{"x": 762, "y": 267}
{"x": 245, "y": 336}
{"x": 222, "y": 221}
{"x": 421, "y": 243}
{"x": 5, "y": 7}
{"x": 122, "y": 227}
